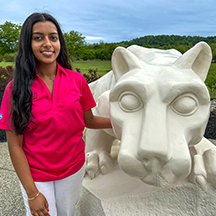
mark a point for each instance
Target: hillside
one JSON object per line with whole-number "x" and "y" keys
{"x": 169, "y": 40}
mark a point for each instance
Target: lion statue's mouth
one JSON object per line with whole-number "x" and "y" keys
{"x": 160, "y": 177}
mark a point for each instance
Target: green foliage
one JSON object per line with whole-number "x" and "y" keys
{"x": 91, "y": 76}
{"x": 211, "y": 84}
{"x": 169, "y": 40}
{"x": 87, "y": 54}
{"x": 180, "y": 43}
{"x": 1, "y": 58}
{"x": 103, "y": 51}
{"x": 211, "y": 80}
{"x": 9, "y": 35}
{"x": 100, "y": 51}
{"x": 9, "y": 57}
{"x": 74, "y": 41}
{"x": 213, "y": 48}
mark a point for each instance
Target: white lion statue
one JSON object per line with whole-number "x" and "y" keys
{"x": 159, "y": 107}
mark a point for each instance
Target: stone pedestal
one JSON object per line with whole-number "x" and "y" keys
{"x": 117, "y": 194}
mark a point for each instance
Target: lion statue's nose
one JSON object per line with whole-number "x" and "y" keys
{"x": 154, "y": 165}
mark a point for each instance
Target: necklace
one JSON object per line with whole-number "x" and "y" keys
{"x": 53, "y": 78}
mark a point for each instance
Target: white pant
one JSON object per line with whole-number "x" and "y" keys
{"x": 62, "y": 195}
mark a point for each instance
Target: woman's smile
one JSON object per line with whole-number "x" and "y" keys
{"x": 47, "y": 53}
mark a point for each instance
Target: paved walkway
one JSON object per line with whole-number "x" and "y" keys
{"x": 11, "y": 203}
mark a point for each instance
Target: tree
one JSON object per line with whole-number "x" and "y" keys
{"x": 9, "y": 35}
{"x": 88, "y": 54}
{"x": 213, "y": 47}
{"x": 74, "y": 41}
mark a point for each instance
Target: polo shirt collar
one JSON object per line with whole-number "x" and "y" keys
{"x": 60, "y": 68}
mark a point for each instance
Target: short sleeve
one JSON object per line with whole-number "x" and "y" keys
{"x": 87, "y": 99}
{"x": 5, "y": 123}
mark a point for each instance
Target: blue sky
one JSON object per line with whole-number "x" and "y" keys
{"x": 118, "y": 20}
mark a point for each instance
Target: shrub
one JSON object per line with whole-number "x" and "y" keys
{"x": 5, "y": 76}
{"x": 88, "y": 54}
{"x": 9, "y": 57}
{"x": 91, "y": 76}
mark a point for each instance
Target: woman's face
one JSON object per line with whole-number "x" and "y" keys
{"x": 45, "y": 42}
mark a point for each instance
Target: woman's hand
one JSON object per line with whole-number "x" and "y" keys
{"x": 39, "y": 206}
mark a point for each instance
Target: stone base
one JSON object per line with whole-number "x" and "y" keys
{"x": 117, "y": 194}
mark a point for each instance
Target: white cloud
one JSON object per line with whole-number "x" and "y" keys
{"x": 115, "y": 21}
{"x": 93, "y": 38}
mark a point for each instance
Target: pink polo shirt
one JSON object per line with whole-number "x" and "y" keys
{"x": 53, "y": 144}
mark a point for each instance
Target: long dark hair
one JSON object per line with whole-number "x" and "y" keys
{"x": 25, "y": 71}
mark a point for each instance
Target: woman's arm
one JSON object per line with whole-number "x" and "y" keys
{"x": 96, "y": 122}
{"x": 20, "y": 162}
{"x": 21, "y": 166}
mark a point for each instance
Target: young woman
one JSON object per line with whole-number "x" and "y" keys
{"x": 44, "y": 111}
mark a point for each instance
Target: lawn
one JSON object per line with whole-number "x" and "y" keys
{"x": 212, "y": 68}
{"x": 4, "y": 64}
{"x": 102, "y": 66}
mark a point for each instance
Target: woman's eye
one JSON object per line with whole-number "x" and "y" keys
{"x": 53, "y": 38}
{"x": 185, "y": 105}
{"x": 38, "y": 38}
{"x": 130, "y": 102}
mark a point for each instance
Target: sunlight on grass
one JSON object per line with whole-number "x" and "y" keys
{"x": 102, "y": 66}
{"x": 4, "y": 64}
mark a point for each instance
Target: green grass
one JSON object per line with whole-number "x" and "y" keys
{"x": 105, "y": 66}
{"x": 102, "y": 66}
{"x": 212, "y": 68}
{"x": 4, "y": 64}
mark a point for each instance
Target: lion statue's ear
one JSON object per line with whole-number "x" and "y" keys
{"x": 123, "y": 61}
{"x": 198, "y": 58}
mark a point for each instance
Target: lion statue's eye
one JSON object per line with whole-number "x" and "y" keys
{"x": 130, "y": 102}
{"x": 185, "y": 105}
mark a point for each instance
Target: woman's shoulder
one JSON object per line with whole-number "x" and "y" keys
{"x": 74, "y": 74}
{"x": 9, "y": 85}
{"x": 69, "y": 71}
